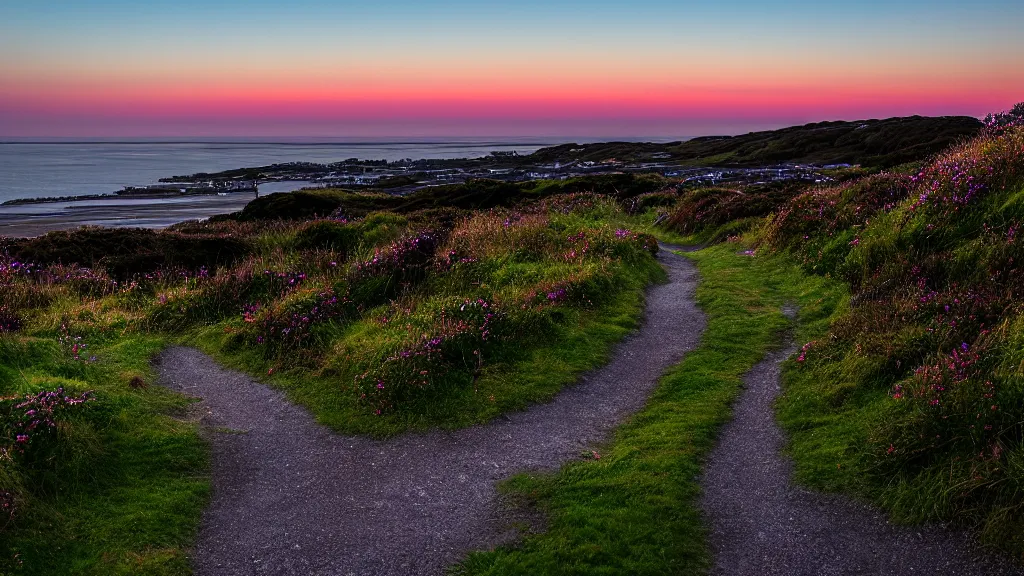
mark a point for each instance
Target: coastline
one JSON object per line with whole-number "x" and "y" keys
{"x": 36, "y": 219}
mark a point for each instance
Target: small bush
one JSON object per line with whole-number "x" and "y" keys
{"x": 392, "y": 269}
{"x": 126, "y": 252}
{"x": 339, "y": 237}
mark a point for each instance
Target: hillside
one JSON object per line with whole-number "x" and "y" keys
{"x": 455, "y": 306}
{"x": 871, "y": 143}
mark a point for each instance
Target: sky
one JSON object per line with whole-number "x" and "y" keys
{"x": 520, "y": 68}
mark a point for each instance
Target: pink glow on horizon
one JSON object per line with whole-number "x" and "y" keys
{"x": 54, "y": 107}
{"x": 455, "y": 103}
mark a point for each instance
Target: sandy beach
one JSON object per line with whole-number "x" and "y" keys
{"x": 27, "y": 220}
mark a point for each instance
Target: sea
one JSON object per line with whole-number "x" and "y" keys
{"x": 77, "y": 168}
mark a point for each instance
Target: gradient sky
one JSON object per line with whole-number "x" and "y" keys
{"x": 552, "y": 68}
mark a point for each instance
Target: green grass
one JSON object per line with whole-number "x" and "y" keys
{"x": 580, "y": 340}
{"x": 120, "y": 487}
{"x": 125, "y": 492}
{"x": 633, "y": 510}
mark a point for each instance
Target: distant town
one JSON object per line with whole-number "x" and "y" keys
{"x": 801, "y": 153}
{"x": 405, "y": 176}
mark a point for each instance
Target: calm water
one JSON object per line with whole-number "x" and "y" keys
{"x": 32, "y": 170}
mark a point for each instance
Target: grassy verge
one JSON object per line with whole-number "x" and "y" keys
{"x": 578, "y": 340}
{"x": 118, "y": 486}
{"x": 632, "y": 511}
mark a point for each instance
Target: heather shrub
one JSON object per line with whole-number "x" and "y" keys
{"x": 332, "y": 235}
{"x": 392, "y": 269}
{"x": 124, "y": 253}
{"x": 931, "y": 344}
{"x": 38, "y": 439}
{"x": 444, "y": 355}
{"x": 579, "y": 286}
{"x": 501, "y": 234}
{"x": 206, "y": 298}
{"x": 821, "y": 224}
{"x": 703, "y": 210}
{"x": 29, "y": 422}
{"x": 644, "y": 202}
{"x": 296, "y": 320}
{"x": 1012, "y": 118}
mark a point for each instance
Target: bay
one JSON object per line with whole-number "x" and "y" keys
{"x": 74, "y": 168}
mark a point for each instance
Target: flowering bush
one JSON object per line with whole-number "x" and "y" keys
{"x": 27, "y": 420}
{"x": 999, "y": 121}
{"x": 983, "y": 165}
{"x": 207, "y": 297}
{"x": 449, "y": 354}
{"x": 293, "y": 322}
{"x": 392, "y": 269}
{"x": 28, "y": 425}
{"x": 582, "y": 287}
{"x": 823, "y": 211}
{"x": 502, "y": 233}
{"x": 10, "y": 321}
{"x": 604, "y": 242}
{"x": 73, "y": 345}
{"x": 934, "y": 321}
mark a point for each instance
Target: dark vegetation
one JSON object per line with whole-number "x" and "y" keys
{"x": 126, "y": 253}
{"x": 473, "y": 195}
{"x": 870, "y": 143}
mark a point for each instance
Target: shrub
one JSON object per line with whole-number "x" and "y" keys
{"x": 332, "y": 235}
{"x": 1002, "y": 120}
{"x": 293, "y": 322}
{"x": 461, "y": 337}
{"x": 10, "y": 321}
{"x": 208, "y": 298}
{"x": 702, "y": 210}
{"x": 501, "y": 234}
{"x": 29, "y": 420}
{"x": 392, "y": 269}
{"x": 934, "y": 327}
{"x": 126, "y": 252}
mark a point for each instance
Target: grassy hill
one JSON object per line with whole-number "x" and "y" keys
{"x": 453, "y": 305}
{"x": 871, "y": 143}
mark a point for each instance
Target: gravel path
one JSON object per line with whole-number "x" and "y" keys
{"x": 763, "y": 525}
{"x": 291, "y": 497}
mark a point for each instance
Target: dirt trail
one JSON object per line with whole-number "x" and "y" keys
{"x": 761, "y": 524}
{"x": 291, "y": 497}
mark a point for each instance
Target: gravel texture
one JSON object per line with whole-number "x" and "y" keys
{"x": 761, "y": 524}
{"x": 292, "y": 497}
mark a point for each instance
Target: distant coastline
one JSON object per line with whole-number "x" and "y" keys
{"x": 92, "y": 168}
{"x": 154, "y": 192}
{"x": 798, "y": 153}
